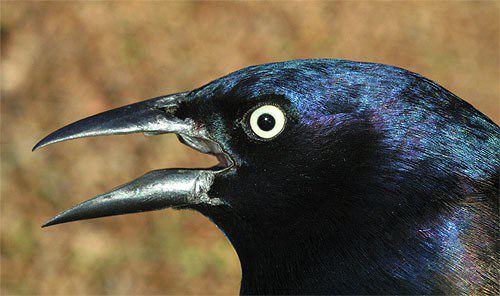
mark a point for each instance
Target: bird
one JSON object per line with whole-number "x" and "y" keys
{"x": 333, "y": 177}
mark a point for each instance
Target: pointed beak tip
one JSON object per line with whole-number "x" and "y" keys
{"x": 59, "y": 219}
{"x": 48, "y": 223}
{"x": 36, "y": 147}
{"x": 42, "y": 143}
{"x": 48, "y": 140}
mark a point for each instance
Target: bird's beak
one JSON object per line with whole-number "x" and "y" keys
{"x": 157, "y": 189}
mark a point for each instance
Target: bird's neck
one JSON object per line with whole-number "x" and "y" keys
{"x": 309, "y": 262}
{"x": 320, "y": 258}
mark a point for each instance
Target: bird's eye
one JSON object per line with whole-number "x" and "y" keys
{"x": 267, "y": 121}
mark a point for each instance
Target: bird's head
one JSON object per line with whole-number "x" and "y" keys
{"x": 288, "y": 141}
{"x": 308, "y": 150}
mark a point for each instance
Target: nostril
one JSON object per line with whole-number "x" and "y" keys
{"x": 170, "y": 109}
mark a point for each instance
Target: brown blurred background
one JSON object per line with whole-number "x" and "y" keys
{"x": 64, "y": 61}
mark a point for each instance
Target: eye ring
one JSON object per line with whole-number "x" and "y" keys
{"x": 267, "y": 121}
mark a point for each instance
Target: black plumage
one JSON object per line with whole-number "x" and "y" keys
{"x": 334, "y": 177}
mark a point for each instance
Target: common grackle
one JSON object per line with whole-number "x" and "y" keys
{"x": 333, "y": 177}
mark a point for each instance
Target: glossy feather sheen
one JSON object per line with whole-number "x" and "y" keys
{"x": 380, "y": 182}
{"x": 404, "y": 175}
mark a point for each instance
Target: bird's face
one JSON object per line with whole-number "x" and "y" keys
{"x": 279, "y": 149}
{"x": 317, "y": 158}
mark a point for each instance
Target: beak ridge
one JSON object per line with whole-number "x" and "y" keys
{"x": 151, "y": 117}
{"x": 155, "y": 190}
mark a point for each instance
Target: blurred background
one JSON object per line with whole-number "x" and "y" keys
{"x": 64, "y": 61}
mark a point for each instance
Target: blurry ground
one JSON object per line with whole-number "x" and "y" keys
{"x": 64, "y": 61}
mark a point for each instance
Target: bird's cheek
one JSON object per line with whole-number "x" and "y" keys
{"x": 235, "y": 185}
{"x": 225, "y": 186}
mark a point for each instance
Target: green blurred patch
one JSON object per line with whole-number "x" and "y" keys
{"x": 20, "y": 241}
{"x": 131, "y": 50}
{"x": 197, "y": 261}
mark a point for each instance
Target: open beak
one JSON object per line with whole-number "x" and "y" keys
{"x": 157, "y": 189}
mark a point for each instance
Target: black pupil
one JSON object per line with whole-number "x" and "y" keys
{"x": 266, "y": 122}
